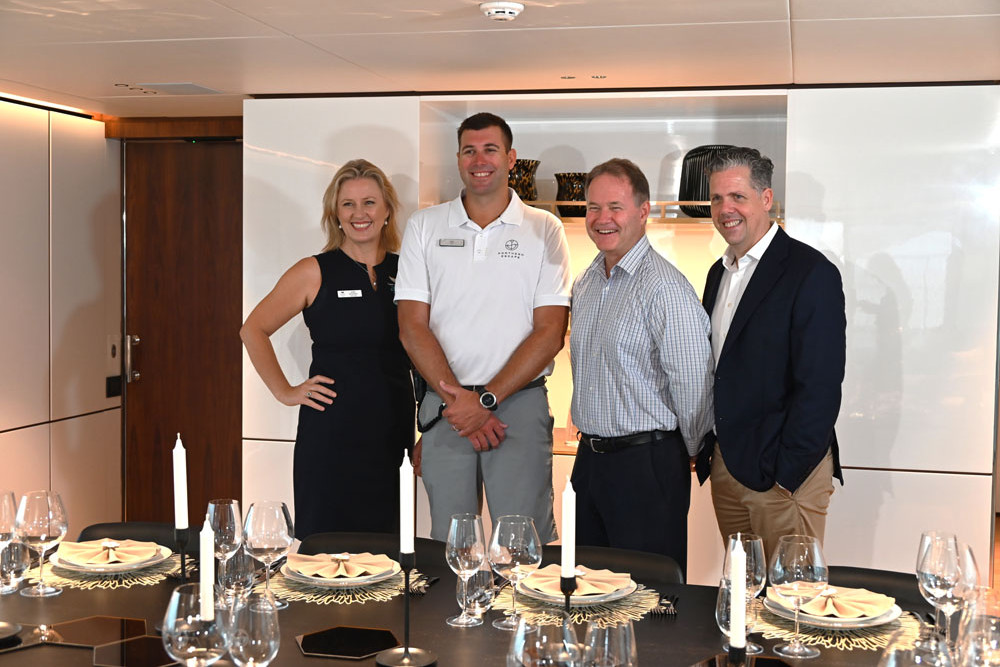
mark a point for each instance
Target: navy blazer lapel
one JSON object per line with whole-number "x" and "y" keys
{"x": 771, "y": 266}
{"x": 712, "y": 281}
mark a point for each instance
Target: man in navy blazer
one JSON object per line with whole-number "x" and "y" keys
{"x": 779, "y": 339}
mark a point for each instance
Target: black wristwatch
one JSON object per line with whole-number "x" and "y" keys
{"x": 487, "y": 399}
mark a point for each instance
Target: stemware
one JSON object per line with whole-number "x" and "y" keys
{"x": 723, "y": 610}
{"x": 15, "y": 560}
{"x": 227, "y": 525}
{"x": 187, "y": 637}
{"x": 268, "y": 537}
{"x": 753, "y": 547}
{"x": 939, "y": 575}
{"x": 613, "y": 645}
{"x": 479, "y": 594}
{"x": 465, "y": 553}
{"x": 8, "y": 517}
{"x": 515, "y": 552}
{"x": 254, "y": 636}
{"x": 237, "y": 581}
{"x": 537, "y": 645}
{"x": 41, "y": 523}
{"x": 928, "y": 650}
{"x": 978, "y": 641}
{"x": 798, "y": 574}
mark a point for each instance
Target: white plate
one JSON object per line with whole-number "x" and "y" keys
{"x": 833, "y": 622}
{"x": 579, "y": 600}
{"x": 112, "y": 568}
{"x": 339, "y": 582}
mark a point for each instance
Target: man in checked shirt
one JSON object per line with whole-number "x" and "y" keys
{"x": 642, "y": 377}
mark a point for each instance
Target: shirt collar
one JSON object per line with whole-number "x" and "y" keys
{"x": 629, "y": 263}
{"x": 512, "y": 215}
{"x": 754, "y": 253}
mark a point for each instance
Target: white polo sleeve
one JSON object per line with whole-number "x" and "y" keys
{"x": 412, "y": 280}
{"x": 554, "y": 281}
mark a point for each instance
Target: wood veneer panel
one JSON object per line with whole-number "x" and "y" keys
{"x": 173, "y": 128}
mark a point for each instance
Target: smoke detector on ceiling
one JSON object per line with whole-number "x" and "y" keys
{"x": 501, "y": 11}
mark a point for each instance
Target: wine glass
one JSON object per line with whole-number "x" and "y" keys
{"x": 798, "y": 574}
{"x": 237, "y": 581}
{"x": 723, "y": 618}
{"x": 939, "y": 575}
{"x": 613, "y": 645}
{"x": 928, "y": 650}
{"x": 15, "y": 560}
{"x": 41, "y": 523}
{"x": 254, "y": 637}
{"x": 227, "y": 525}
{"x": 465, "y": 554}
{"x": 538, "y": 645}
{"x": 756, "y": 569}
{"x": 978, "y": 641}
{"x": 187, "y": 637}
{"x": 268, "y": 536}
{"x": 515, "y": 552}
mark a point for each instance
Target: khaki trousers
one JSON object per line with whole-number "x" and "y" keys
{"x": 775, "y": 512}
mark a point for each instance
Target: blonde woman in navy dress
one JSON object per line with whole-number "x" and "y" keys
{"x": 356, "y": 415}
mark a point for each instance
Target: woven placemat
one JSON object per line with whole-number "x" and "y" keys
{"x": 629, "y": 608}
{"x": 147, "y": 576}
{"x": 864, "y": 639}
{"x": 382, "y": 591}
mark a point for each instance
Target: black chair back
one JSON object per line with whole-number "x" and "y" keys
{"x": 427, "y": 550}
{"x": 642, "y": 565}
{"x": 145, "y": 531}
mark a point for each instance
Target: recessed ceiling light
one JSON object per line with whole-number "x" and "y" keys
{"x": 598, "y": 76}
{"x": 501, "y": 11}
{"x": 566, "y": 76}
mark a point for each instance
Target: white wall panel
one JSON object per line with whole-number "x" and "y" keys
{"x": 900, "y": 187}
{"x": 86, "y": 264}
{"x": 267, "y": 472}
{"x": 292, "y": 148}
{"x": 876, "y": 519}
{"x": 24, "y": 266}
{"x": 87, "y": 468}
{"x": 25, "y": 456}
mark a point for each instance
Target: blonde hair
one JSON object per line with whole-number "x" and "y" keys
{"x": 389, "y": 238}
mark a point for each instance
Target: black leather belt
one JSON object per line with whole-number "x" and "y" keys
{"x": 607, "y": 445}
{"x": 537, "y": 382}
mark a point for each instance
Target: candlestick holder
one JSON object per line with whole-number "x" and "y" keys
{"x": 737, "y": 656}
{"x": 567, "y": 585}
{"x": 406, "y": 655}
{"x": 181, "y": 538}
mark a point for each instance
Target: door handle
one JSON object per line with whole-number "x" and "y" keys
{"x": 131, "y": 375}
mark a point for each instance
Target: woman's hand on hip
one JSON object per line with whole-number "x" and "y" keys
{"x": 313, "y": 392}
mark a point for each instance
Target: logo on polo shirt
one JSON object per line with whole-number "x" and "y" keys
{"x": 510, "y": 250}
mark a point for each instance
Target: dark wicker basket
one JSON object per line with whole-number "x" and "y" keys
{"x": 694, "y": 183}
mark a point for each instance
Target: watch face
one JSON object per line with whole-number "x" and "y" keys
{"x": 488, "y": 400}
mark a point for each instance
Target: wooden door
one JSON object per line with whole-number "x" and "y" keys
{"x": 183, "y": 276}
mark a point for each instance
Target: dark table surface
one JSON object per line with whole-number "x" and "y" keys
{"x": 684, "y": 639}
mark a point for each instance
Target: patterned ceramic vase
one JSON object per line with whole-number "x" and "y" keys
{"x": 522, "y": 179}
{"x": 570, "y": 187}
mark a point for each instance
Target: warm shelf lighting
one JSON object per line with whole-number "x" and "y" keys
{"x": 10, "y": 97}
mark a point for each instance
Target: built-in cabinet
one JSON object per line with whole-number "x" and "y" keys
{"x": 60, "y": 286}
{"x": 864, "y": 175}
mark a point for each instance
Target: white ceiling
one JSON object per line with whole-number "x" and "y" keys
{"x": 106, "y": 56}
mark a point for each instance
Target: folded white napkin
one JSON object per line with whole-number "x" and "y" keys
{"x": 345, "y": 565}
{"x": 588, "y": 582}
{"x": 106, "y": 552}
{"x": 842, "y": 603}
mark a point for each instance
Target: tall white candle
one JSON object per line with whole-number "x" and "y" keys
{"x": 406, "y": 506}
{"x": 180, "y": 486}
{"x": 206, "y": 571}
{"x": 568, "y": 568}
{"x": 738, "y": 595}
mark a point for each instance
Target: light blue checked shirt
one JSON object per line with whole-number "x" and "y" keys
{"x": 640, "y": 350}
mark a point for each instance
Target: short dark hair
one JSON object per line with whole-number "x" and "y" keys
{"x": 760, "y": 166}
{"x": 623, "y": 168}
{"x": 483, "y": 120}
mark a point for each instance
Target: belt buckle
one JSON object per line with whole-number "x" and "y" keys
{"x": 594, "y": 449}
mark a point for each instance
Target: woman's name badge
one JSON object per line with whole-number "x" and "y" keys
{"x": 348, "y": 293}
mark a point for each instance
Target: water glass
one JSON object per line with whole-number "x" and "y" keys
{"x": 255, "y": 636}
{"x": 8, "y": 518}
{"x": 756, "y": 569}
{"x": 227, "y": 527}
{"x": 187, "y": 638}
{"x": 15, "y": 560}
{"x": 478, "y": 599}
{"x": 236, "y": 582}
{"x": 723, "y": 609}
{"x": 978, "y": 641}
{"x": 613, "y": 645}
{"x": 928, "y": 650}
{"x": 536, "y": 645}
{"x": 41, "y": 524}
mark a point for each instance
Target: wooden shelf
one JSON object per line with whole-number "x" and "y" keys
{"x": 660, "y": 212}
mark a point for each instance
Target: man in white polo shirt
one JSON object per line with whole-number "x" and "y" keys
{"x": 483, "y": 295}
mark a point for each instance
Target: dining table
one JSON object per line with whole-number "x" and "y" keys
{"x": 684, "y": 638}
